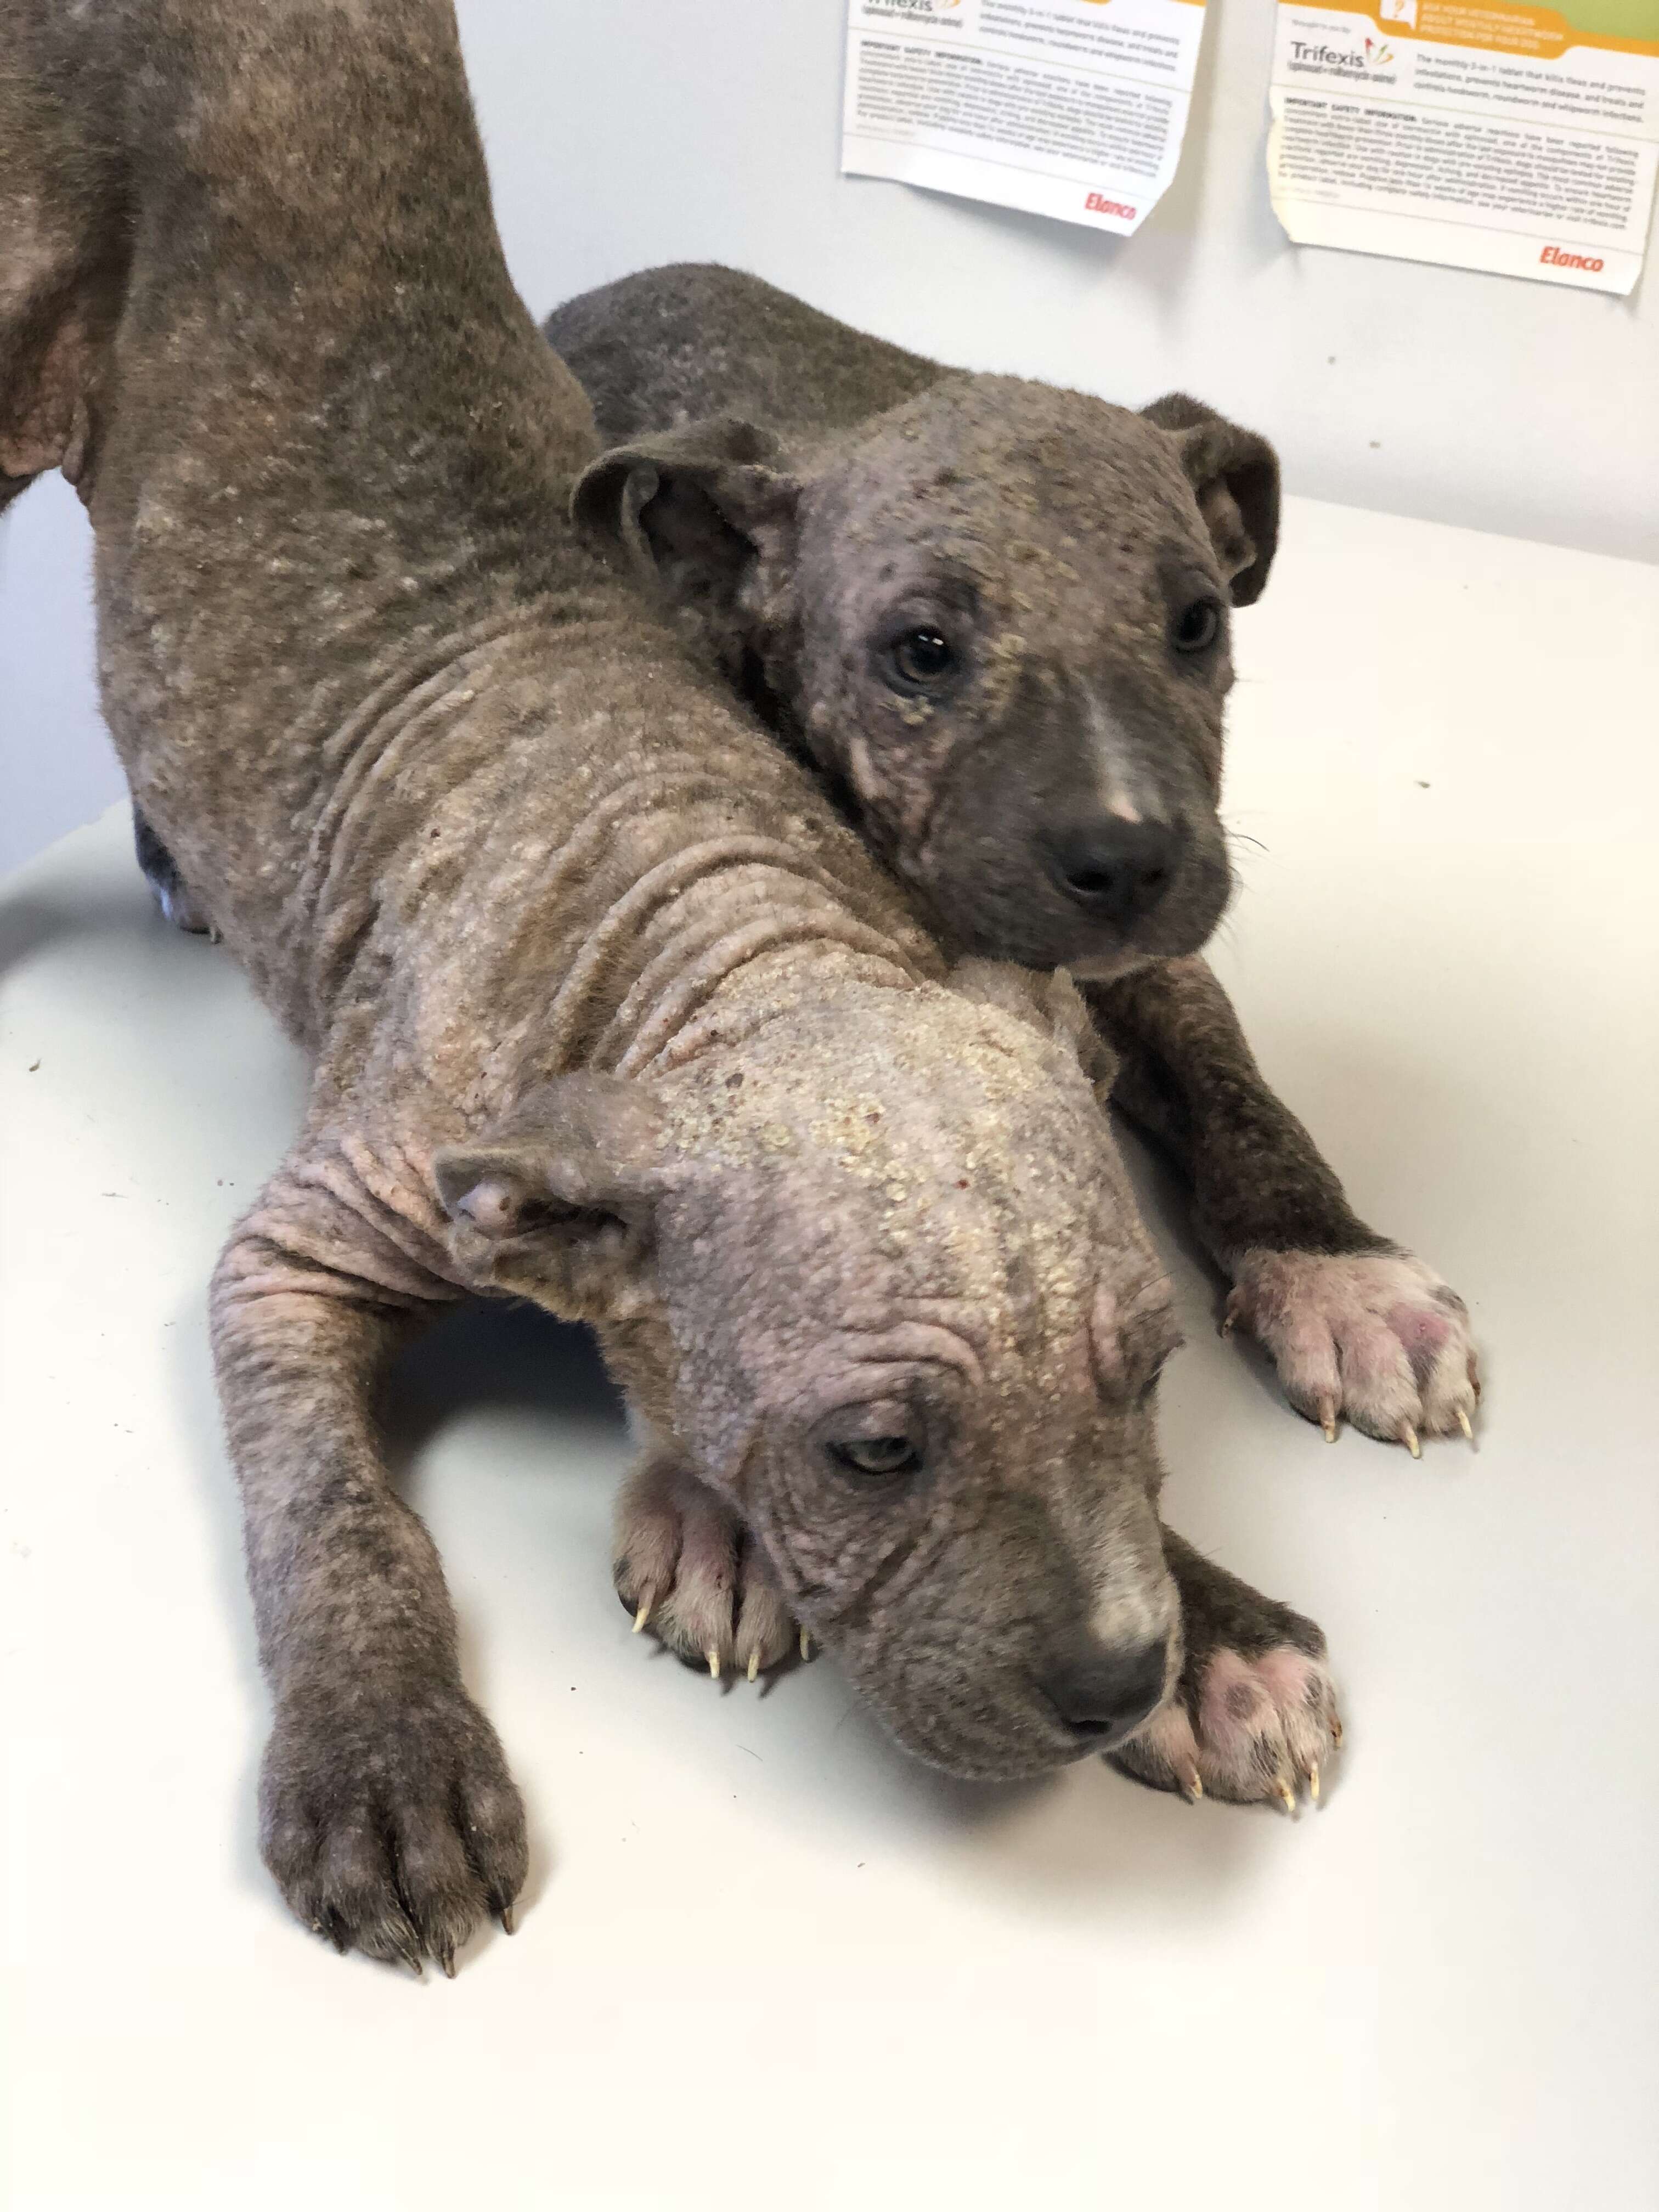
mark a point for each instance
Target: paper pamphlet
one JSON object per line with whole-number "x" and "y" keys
{"x": 1074, "y": 108}
{"x": 1470, "y": 133}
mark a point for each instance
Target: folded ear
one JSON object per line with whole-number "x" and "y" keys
{"x": 559, "y": 1202}
{"x": 1235, "y": 474}
{"x": 698, "y": 513}
{"x": 63, "y": 250}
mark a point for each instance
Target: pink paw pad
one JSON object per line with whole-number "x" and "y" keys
{"x": 1374, "y": 1337}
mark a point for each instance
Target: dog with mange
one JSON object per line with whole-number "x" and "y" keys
{"x": 607, "y": 1006}
{"x": 995, "y": 615}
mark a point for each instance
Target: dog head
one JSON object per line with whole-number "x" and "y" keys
{"x": 998, "y": 617}
{"x": 880, "y": 1278}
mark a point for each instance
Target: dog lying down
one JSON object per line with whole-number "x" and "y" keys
{"x": 994, "y": 615}
{"x": 607, "y": 1006}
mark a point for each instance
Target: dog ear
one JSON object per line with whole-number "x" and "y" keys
{"x": 698, "y": 513}
{"x": 63, "y": 249}
{"x": 559, "y": 1202}
{"x": 1235, "y": 474}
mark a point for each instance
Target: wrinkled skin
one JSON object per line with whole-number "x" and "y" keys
{"x": 607, "y": 1006}
{"x": 988, "y": 1296}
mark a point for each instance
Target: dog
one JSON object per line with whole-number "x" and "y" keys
{"x": 994, "y": 615}
{"x": 607, "y": 1006}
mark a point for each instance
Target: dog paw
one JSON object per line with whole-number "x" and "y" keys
{"x": 1373, "y": 1337}
{"x": 1254, "y": 1718}
{"x": 390, "y": 1823}
{"x": 687, "y": 1569}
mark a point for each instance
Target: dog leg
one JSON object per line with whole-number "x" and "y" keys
{"x": 386, "y": 1812}
{"x": 1358, "y": 1327}
{"x": 1253, "y": 1717}
{"x": 686, "y": 1568}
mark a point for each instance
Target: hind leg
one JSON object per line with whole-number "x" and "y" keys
{"x": 171, "y": 892}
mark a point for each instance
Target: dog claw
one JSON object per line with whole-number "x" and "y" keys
{"x": 1336, "y": 1728}
{"x": 508, "y": 1919}
{"x": 1466, "y": 1425}
{"x": 713, "y": 1658}
{"x": 447, "y": 1960}
{"x": 754, "y": 1666}
{"x": 642, "y": 1615}
{"x": 1287, "y": 1798}
{"x": 1192, "y": 1787}
{"x": 1327, "y": 1418}
{"x": 1313, "y": 1782}
{"x": 805, "y": 1645}
{"x": 1408, "y": 1437}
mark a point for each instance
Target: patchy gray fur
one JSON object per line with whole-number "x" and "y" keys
{"x": 799, "y": 492}
{"x": 607, "y": 1007}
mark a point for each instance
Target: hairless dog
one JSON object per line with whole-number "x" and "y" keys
{"x": 608, "y": 1008}
{"x": 995, "y": 615}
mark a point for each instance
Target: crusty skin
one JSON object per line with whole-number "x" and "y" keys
{"x": 607, "y": 1006}
{"x": 879, "y": 446}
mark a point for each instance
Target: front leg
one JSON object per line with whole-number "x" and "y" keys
{"x": 1357, "y": 1326}
{"x": 386, "y": 1812}
{"x": 1253, "y": 1717}
{"x": 686, "y": 1567}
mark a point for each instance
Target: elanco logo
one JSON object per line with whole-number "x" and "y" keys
{"x": 1097, "y": 203}
{"x": 1557, "y": 259}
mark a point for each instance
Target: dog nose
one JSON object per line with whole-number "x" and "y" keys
{"x": 1101, "y": 1691}
{"x": 1119, "y": 870}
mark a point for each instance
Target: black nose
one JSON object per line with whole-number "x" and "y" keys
{"x": 1119, "y": 870}
{"x": 1101, "y": 1690}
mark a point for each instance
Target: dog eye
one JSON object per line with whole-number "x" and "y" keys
{"x": 879, "y": 1456}
{"x": 1196, "y": 626}
{"x": 922, "y": 656}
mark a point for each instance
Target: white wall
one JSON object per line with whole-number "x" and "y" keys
{"x": 624, "y": 132}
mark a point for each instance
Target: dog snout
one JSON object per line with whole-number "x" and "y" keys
{"x": 1102, "y": 1692}
{"x": 1114, "y": 869}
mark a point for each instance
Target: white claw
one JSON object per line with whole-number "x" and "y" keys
{"x": 1313, "y": 1782}
{"x": 1463, "y": 1423}
{"x": 805, "y": 1645}
{"x": 642, "y": 1615}
{"x": 1327, "y": 1419}
{"x": 1408, "y": 1437}
{"x": 713, "y": 1658}
{"x": 754, "y": 1665}
{"x": 1287, "y": 1798}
